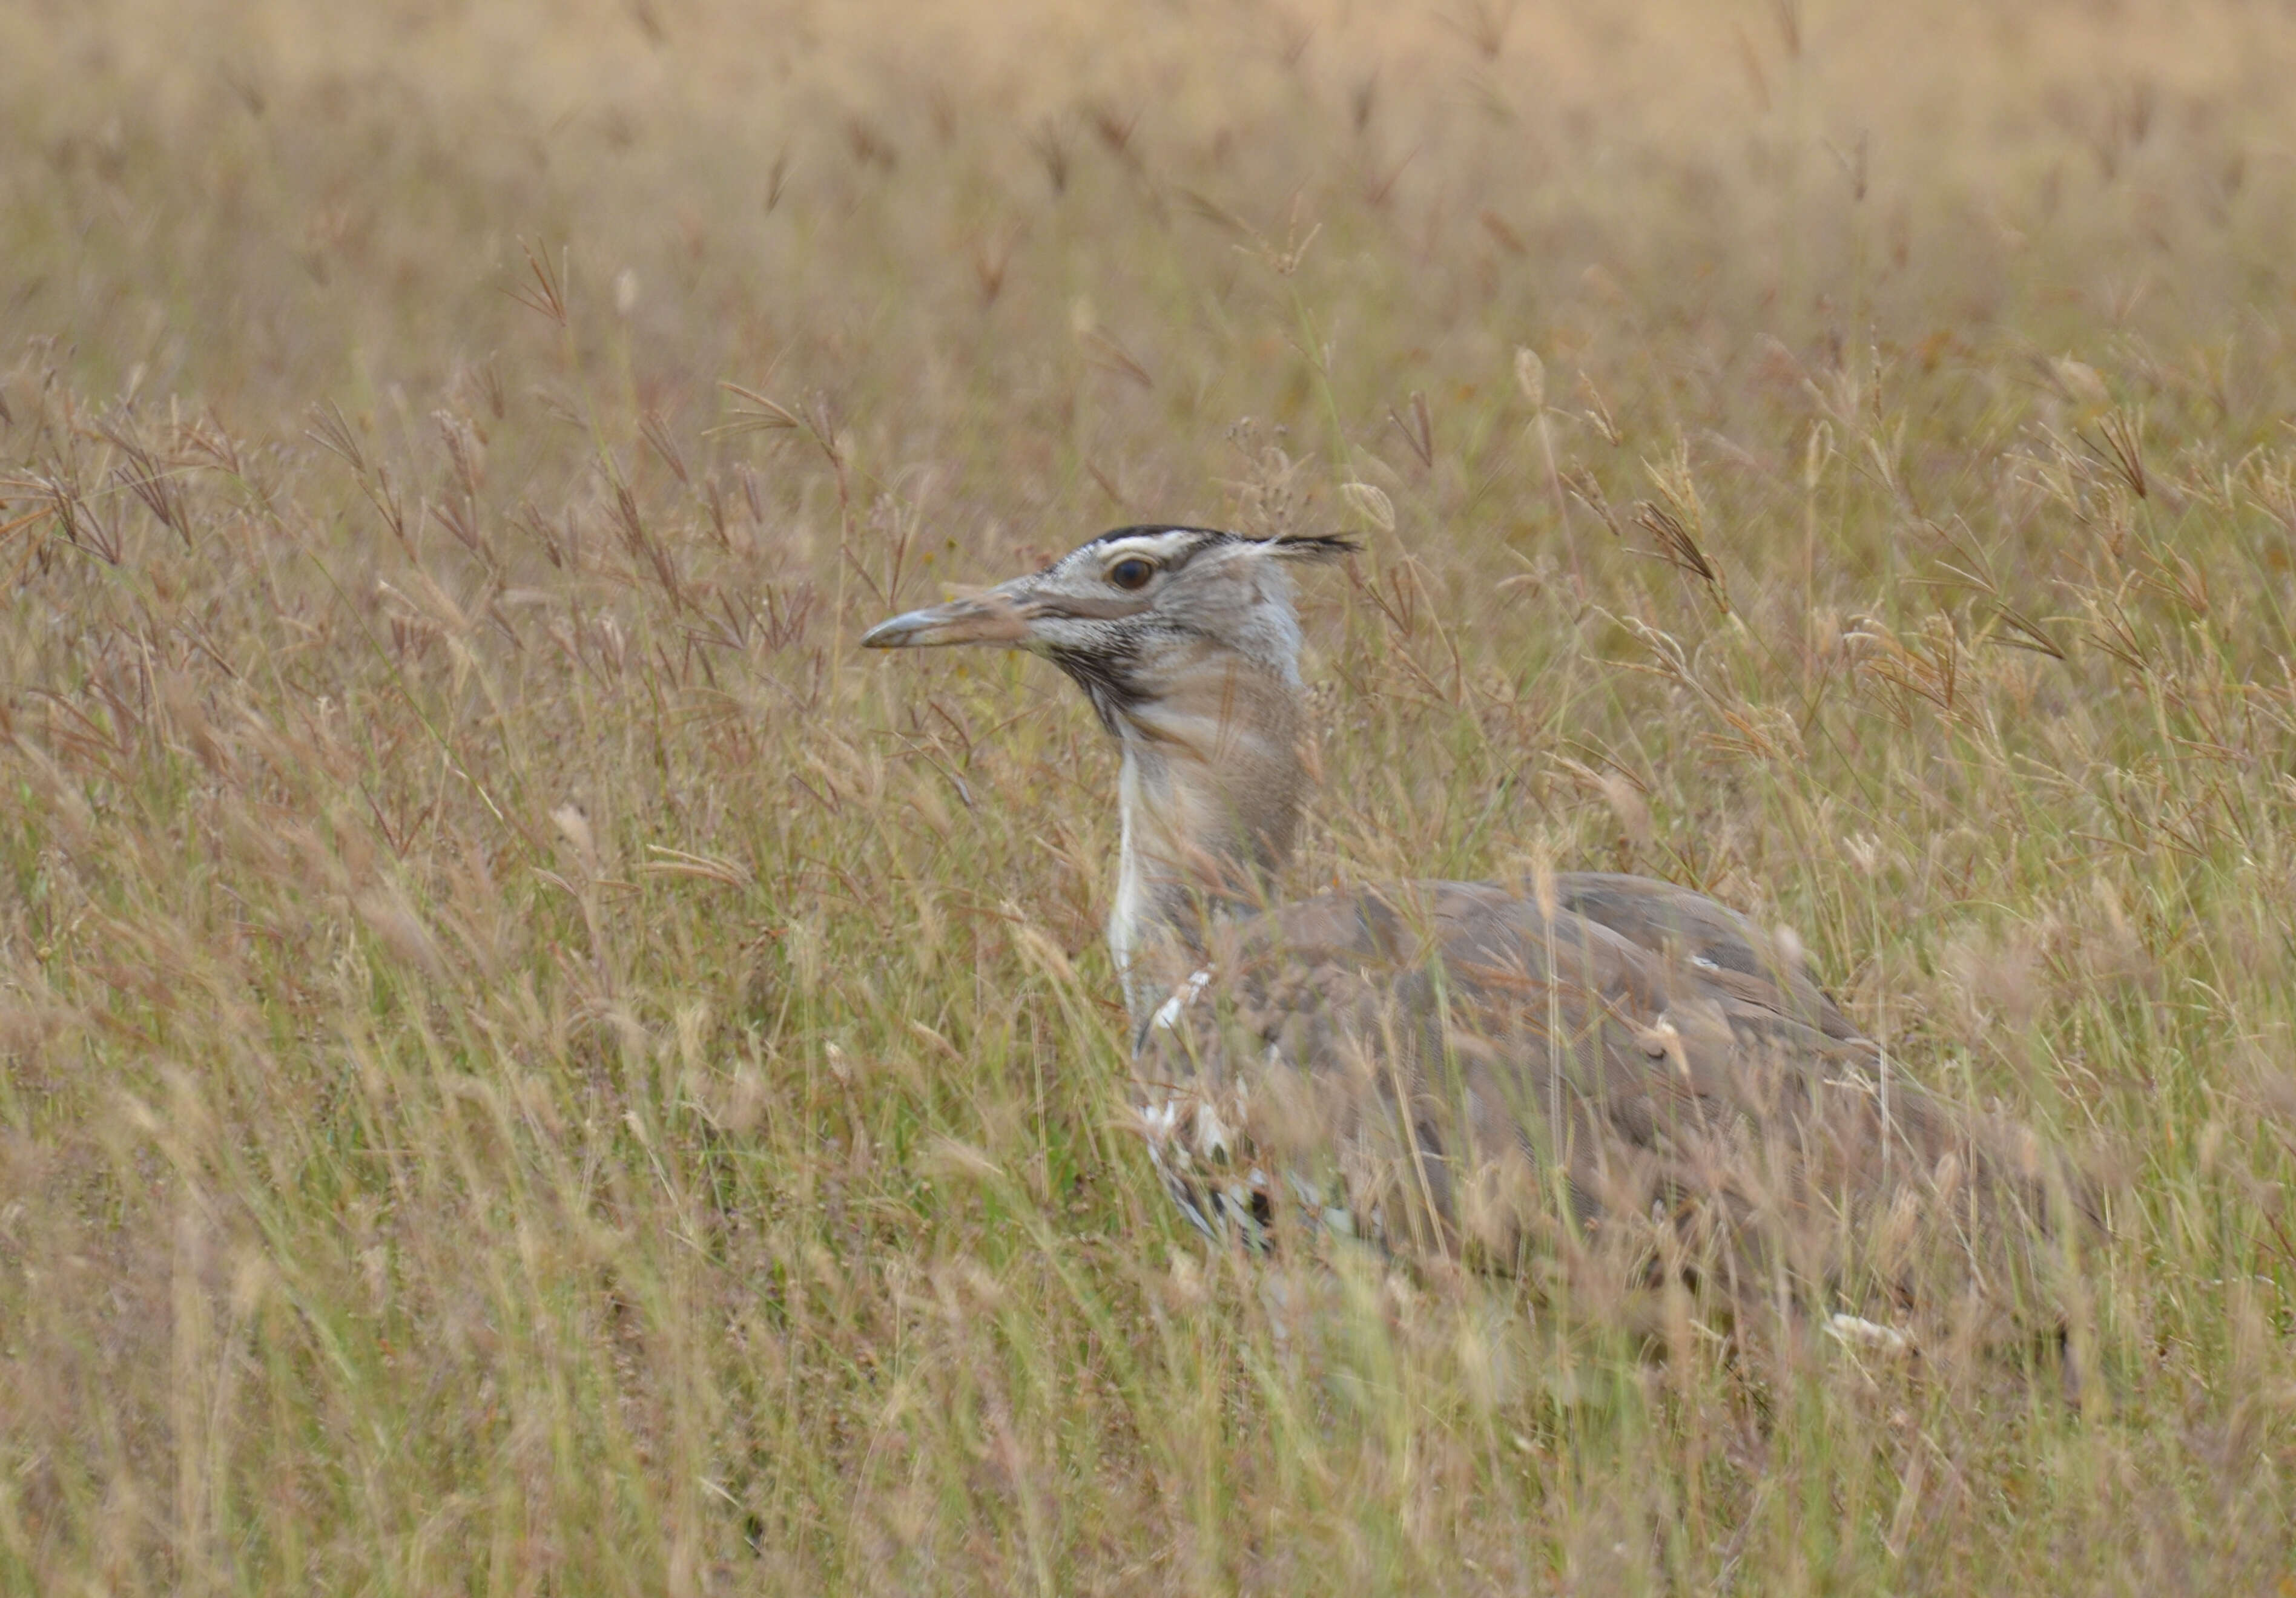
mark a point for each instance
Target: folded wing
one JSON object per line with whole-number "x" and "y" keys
{"x": 1633, "y": 1085}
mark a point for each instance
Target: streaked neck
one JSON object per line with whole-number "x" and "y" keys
{"x": 1212, "y": 783}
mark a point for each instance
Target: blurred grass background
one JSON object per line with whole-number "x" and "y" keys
{"x": 531, "y": 1068}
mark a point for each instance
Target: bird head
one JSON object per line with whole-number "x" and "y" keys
{"x": 1124, "y": 613}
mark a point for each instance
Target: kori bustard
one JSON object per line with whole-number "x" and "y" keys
{"x": 1605, "y": 1077}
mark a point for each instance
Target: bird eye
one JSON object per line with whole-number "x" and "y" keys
{"x": 1133, "y": 571}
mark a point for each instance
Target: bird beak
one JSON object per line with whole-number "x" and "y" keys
{"x": 995, "y": 617}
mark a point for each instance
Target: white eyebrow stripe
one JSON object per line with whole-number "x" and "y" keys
{"x": 1155, "y": 545}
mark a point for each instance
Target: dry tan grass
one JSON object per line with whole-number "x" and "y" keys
{"x": 531, "y": 1067}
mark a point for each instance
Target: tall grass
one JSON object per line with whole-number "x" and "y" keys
{"x": 531, "y": 1067}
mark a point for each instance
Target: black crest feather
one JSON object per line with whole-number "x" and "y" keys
{"x": 1313, "y": 546}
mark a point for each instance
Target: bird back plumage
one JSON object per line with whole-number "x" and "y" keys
{"x": 1632, "y": 1086}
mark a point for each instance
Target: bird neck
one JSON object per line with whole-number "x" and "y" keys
{"x": 1212, "y": 783}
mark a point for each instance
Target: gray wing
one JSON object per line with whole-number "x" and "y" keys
{"x": 1675, "y": 923}
{"x": 1636, "y": 1088}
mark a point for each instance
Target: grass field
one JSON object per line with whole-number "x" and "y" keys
{"x": 532, "y": 1066}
